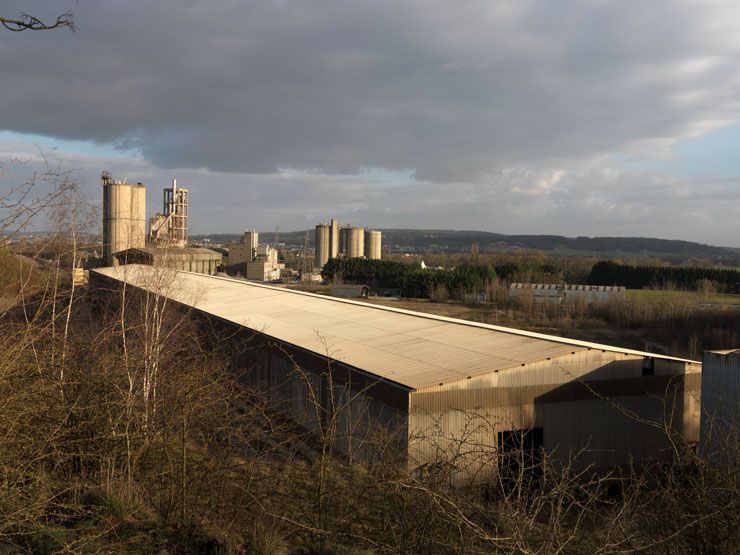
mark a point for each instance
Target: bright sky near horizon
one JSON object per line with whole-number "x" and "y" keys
{"x": 571, "y": 117}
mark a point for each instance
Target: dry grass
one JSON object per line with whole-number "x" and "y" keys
{"x": 672, "y": 296}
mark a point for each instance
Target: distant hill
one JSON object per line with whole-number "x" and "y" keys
{"x": 441, "y": 240}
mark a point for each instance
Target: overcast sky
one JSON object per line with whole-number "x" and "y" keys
{"x": 571, "y": 117}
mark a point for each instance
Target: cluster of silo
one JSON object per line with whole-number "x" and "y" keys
{"x": 350, "y": 241}
{"x": 124, "y": 216}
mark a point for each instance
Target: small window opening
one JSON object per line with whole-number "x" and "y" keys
{"x": 648, "y": 367}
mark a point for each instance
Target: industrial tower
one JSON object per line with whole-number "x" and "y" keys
{"x": 170, "y": 228}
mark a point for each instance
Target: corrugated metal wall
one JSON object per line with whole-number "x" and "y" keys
{"x": 302, "y": 389}
{"x": 720, "y": 411}
{"x": 583, "y": 401}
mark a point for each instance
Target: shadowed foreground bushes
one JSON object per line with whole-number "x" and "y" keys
{"x": 120, "y": 434}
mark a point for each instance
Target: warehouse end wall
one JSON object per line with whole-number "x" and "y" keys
{"x": 596, "y": 404}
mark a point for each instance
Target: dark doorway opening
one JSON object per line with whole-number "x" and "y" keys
{"x": 520, "y": 455}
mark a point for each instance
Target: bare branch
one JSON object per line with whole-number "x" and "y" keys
{"x": 27, "y": 22}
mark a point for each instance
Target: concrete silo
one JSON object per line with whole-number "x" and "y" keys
{"x": 334, "y": 239}
{"x": 372, "y": 244}
{"x": 124, "y": 216}
{"x": 322, "y": 245}
{"x": 353, "y": 242}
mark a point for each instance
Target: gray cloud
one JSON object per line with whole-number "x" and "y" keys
{"x": 449, "y": 90}
{"x": 505, "y": 112}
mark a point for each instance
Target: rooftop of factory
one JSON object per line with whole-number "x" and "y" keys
{"x": 413, "y": 349}
{"x": 180, "y": 251}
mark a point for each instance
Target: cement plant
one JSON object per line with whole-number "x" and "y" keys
{"x": 407, "y": 387}
{"x": 369, "y": 278}
{"x": 164, "y": 243}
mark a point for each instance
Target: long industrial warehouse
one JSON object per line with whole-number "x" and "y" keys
{"x": 443, "y": 384}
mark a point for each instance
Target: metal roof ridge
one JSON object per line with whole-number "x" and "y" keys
{"x": 480, "y": 325}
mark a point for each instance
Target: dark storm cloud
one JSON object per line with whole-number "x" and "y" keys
{"x": 453, "y": 91}
{"x": 507, "y": 116}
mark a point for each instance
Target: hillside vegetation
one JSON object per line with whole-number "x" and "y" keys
{"x": 126, "y": 429}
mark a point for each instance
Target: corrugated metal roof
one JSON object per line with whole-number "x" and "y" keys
{"x": 411, "y": 348}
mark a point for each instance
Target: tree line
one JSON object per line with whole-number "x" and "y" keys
{"x": 412, "y": 280}
{"x": 681, "y": 277}
{"x": 468, "y": 277}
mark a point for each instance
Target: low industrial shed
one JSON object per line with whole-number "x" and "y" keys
{"x": 562, "y": 292}
{"x": 442, "y": 384}
{"x": 350, "y": 291}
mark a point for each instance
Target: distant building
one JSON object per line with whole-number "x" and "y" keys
{"x": 720, "y": 406}
{"x": 264, "y": 266}
{"x": 262, "y": 271}
{"x": 247, "y": 257}
{"x": 560, "y": 293}
{"x": 243, "y": 251}
{"x": 350, "y": 291}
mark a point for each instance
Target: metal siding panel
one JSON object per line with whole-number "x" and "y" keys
{"x": 720, "y": 405}
{"x": 549, "y": 394}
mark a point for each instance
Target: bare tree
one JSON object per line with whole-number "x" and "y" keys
{"x": 27, "y": 22}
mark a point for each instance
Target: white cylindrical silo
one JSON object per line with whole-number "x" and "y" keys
{"x": 322, "y": 245}
{"x": 124, "y": 216}
{"x": 372, "y": 244}
{"x": 353, "y": 242}
{"x": 334, "y": 239}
